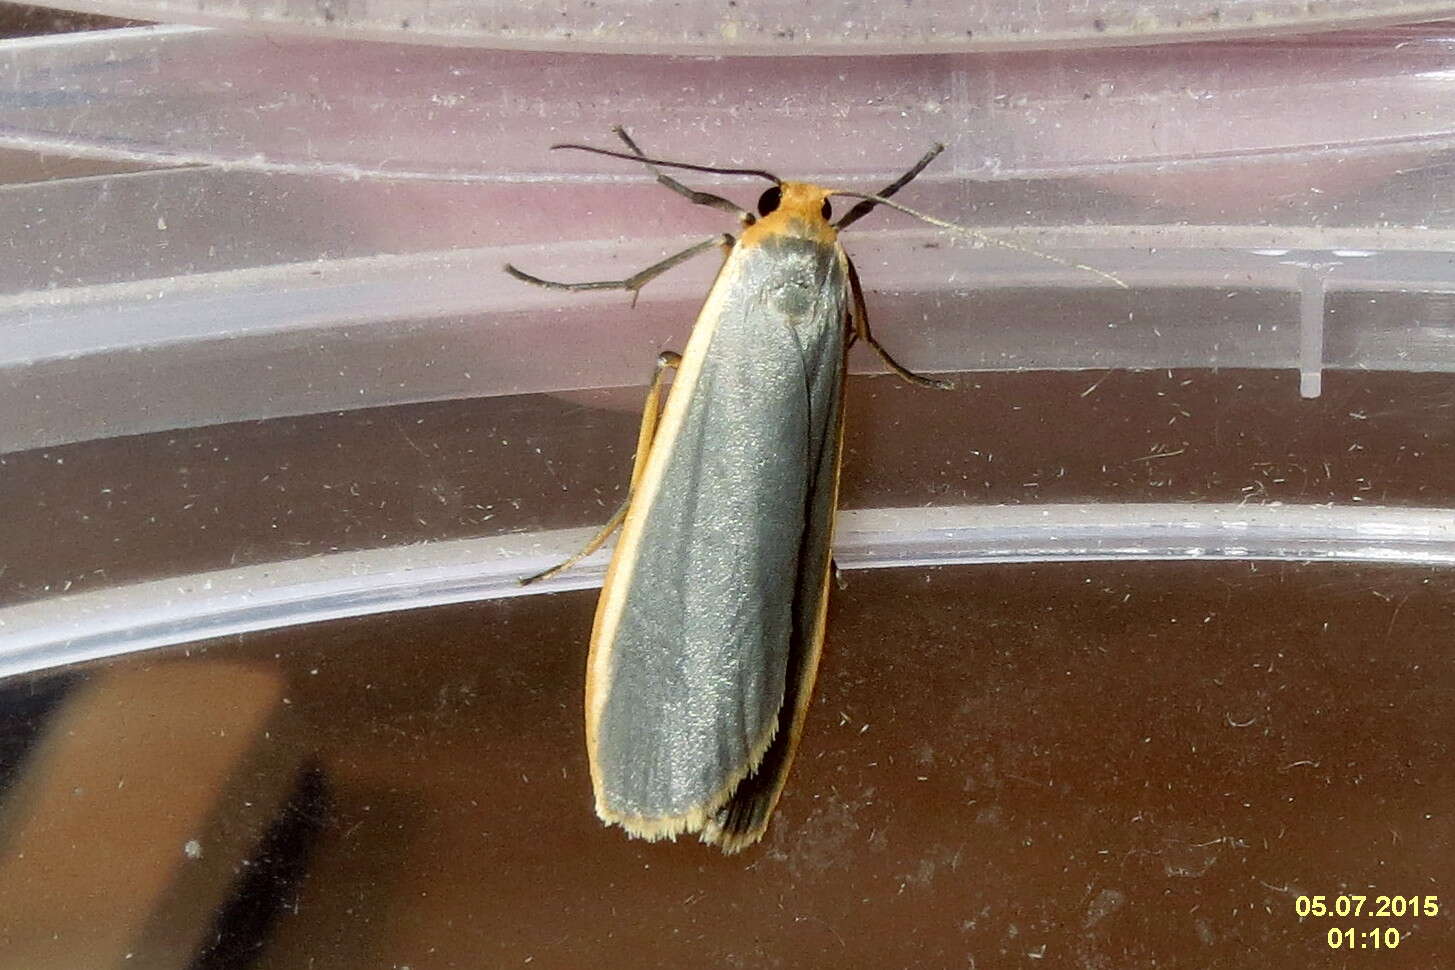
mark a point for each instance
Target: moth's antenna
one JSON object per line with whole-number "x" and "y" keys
{"x": 756, "y": 172}
{"x": 982, "y": 237}
{"x": 865, "y": 207}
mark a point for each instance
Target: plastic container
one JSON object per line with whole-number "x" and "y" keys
{"x": 1153, "y": 645}
{"x": 329, "y": 231}
{"x": 342, "y": 247}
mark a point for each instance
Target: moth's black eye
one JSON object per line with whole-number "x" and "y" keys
{"x": 770, "y": 200}
{"x": 828, "y": 210}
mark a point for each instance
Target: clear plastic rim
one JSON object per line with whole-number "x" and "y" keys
{"x": 776, "y": 29}
{"x": 64, "y": 630}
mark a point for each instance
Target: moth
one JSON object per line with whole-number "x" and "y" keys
{"x": 710, "y": 624}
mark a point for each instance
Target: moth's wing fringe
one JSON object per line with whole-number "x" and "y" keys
{"x": 747, "y": 818}
{"x": 698, "y": 817}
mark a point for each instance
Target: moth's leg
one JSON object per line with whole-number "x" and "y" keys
{"x": 865, "y": 206}
{"x": 860, "y": 317}
{"x": 745, "y": 217}
{"x": 651, "y": 414}
{"x": 636, "y": 281}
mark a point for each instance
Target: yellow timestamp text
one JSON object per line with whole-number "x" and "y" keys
{"x": 1346, "y": 905}
{"x": 1348, "y": 938}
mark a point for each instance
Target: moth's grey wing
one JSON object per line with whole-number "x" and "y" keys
{"x": 742, "y": 820}
{"x": 691, "y": 675}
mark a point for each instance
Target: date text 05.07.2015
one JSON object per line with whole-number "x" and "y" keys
{"x": 1371, "y": 907}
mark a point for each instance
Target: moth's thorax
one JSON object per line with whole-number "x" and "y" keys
{"x": 799, "y": 215}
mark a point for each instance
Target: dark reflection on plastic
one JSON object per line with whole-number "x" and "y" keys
{"x": 270, "y": 882}
{"x": 1091, "y": 764}
{"x": 24, "y": 706}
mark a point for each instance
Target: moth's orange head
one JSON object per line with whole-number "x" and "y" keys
{"x": 798, "y": 209}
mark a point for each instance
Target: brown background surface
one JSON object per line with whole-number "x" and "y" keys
{"x": 1087, "y": 764}
{"x": 1099, "y": 765}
